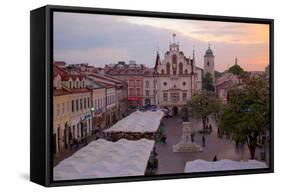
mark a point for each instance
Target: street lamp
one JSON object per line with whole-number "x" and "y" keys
{"x": 92, "y": 111}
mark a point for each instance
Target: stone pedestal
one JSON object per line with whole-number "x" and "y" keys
{"x": 185, "y": 144}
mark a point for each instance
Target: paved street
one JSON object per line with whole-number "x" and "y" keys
{"x": 170, "y": 162}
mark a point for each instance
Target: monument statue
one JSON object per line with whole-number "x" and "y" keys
{"x": 186, "y": 144}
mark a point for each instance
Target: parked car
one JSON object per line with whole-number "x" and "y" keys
{"x": 153, "y": 106}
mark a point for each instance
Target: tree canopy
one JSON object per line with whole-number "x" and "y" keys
{"x": 246, "y": 116}
{"x": 203, "y": 103}
{"x": 236, "y": 70}
{"x": 218, "y": 74}
{"x": 208, "y": 82}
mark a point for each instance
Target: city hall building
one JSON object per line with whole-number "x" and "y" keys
{"x": 177, "y": 77}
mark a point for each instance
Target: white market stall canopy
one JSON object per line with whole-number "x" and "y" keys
{"x": 222, "y": 165}
{"x": 139, "y": 122}
{"x": 101, "y": 158}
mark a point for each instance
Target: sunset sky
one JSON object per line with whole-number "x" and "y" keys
{"x": 104, "y": 39}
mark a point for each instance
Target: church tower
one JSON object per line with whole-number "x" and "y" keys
{"x": 209, "y": 63}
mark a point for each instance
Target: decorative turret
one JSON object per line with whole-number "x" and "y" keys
{"x": 174, "y": 46}
{"x": 157, "y": 61}
{"x": 209, "y": 62}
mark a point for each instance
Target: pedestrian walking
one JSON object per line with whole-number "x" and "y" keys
{"x": 215, "y": 158}
{"x": 203, "y": 141}
{"x": 154, "y": 152}
{"x": 164, "y": 139}
{"x": 211, "y": 128}
{"x": 192, "y": 136}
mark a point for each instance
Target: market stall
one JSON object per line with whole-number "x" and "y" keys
{"x": 136, "y": 126}
{"x": 101, "y": 158}
{"x": 222, "y": 165}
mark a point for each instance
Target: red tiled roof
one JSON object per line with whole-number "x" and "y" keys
{"x": 66, "y": 91}
{"x": 108, "y": 85}
{"x": 64, "y": 74}
{"x": 59, "y": 63}
{"x": 57, "y": 70}
{"x": 80, "y": 90}
{"x": 59, "y": 92}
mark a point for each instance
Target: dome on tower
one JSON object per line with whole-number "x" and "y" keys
{"x": 209, "y": 51}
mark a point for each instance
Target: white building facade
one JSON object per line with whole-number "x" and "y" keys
{"x": 177, "y": 78}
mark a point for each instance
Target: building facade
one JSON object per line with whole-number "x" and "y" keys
{"x": 71, "y": 109}
{"x": 149, "y": 87}
{"x": 61, "y": 113}
{"x": 225, "y": 82}
{"x": 98, "y": 109}
{"x": 133, "y": 74}
{"x": 177, "y": 78}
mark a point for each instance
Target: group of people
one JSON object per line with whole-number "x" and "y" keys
{"x": 75, "y": 143}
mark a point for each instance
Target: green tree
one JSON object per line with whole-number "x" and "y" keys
{"x": 236, "y": 70}
{"x": 218, "y": 74}
{"x": 246, "y": 116}
{"x": 203, "y": 104}
{"x": 208, "y": 82}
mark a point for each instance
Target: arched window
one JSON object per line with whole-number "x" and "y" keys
{"x": 162, "y": 71}
{"x": 174, "y": 59}
{"x": 180, "y": 68}
{"x": 208, "y": 63}
{"x": 168, "y": 68}
{"x": 185, "y": 71}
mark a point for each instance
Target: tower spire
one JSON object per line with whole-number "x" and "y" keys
{"x": 236, "y": 61}
{"x": 174, "y": 36}
{"x": 193, "y": 52}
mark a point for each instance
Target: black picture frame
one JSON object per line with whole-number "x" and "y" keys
{"x": 41, "y": 59}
